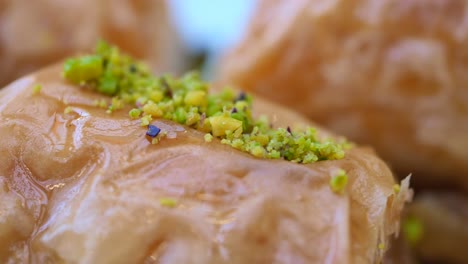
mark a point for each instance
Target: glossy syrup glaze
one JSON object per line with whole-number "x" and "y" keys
{"x": 85, "y": 187}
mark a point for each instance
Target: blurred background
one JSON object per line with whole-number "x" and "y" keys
{"x": 172, "y": 36}
{"x": 208, "y": 28}
{"x": 34, "y": 34}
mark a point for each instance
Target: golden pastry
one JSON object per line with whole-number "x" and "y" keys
{"x": 390, "y": 73}
{"x": 83, "y": 184}
{"x": 36, "y": 33}
{"x": 436, "y": 226}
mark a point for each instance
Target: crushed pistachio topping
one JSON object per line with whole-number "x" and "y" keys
{"x": 100, "y": 103}
{"x": 413, "y": 229}
{"x": 154, "y": 140}
{"x": 168, "y": 202}
{"x": 381, "y": 246}
{"x": 208, "y": 137}
{"x": 146, "y": 120}
{"x": 135, "y": 113}
{"x": 68, "y": 110}
{"x": 37, "y": 89}
{"x": 186, "y": 100}
{"x": 396, "y": 188}
{"x": 339, "y": 181}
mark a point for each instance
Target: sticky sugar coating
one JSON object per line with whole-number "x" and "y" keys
{"x": 89, "y": 187}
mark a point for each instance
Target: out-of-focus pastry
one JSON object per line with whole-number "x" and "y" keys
{"x": 87, "y": 179}
{"x": 437, "y": 226}
{"x": 392, "y": 73}
{"x": 400, "y": 252}
{"x": 40, "y": 32}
